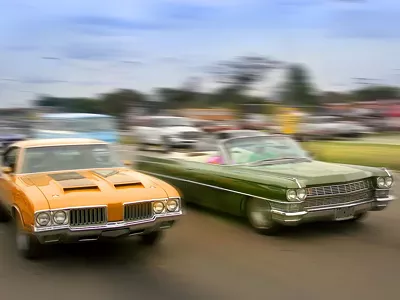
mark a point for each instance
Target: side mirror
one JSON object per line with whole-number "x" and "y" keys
{"x": 128, "y": 163}
{"x": 6, "y": 170}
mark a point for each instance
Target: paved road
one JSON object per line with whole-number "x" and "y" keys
{"x": 212, "y": 257}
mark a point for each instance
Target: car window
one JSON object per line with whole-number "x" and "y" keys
{"x": 74, "y": 157}
{"x": 252, "y": 149}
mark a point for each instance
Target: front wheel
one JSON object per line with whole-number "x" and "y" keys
{"x": 27, "y": 245}
{"x": 4, "y": 215}
{"x": 152, "y": 238}
{"x": 260, "y": 217}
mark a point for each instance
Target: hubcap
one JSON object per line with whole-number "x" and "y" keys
{"x": 260, "y": 214}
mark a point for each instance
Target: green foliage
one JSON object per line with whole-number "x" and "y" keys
{"x": 375, "y": 155}
{"x": 297, "y": 90}
{"x": 240, "y": 73}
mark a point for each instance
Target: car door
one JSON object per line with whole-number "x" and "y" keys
{"x": 7, "y": 181}
{"x": 202, "y": 184}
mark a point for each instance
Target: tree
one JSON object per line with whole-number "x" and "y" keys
{"x": 240, "y": 73}
{"x": 121, "y": 101}
{"x": 373, "y": 93}
{"x": 297, "y": 89}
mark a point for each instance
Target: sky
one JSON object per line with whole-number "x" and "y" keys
{"x": 84, "y": 48}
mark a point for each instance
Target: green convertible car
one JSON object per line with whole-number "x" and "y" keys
{"x": 272, "y": 181}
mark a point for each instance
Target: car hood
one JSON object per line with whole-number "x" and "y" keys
{"x": 312, "y": 172}
{"x": 94, "y": 187}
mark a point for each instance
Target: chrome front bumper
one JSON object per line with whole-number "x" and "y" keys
{"x": 68, "y": 234}
{"x": 328, "y": 213}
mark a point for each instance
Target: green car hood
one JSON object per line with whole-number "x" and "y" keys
{"x": 313, "y": 172}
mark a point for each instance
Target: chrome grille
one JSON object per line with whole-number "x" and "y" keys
{"x": 138, "y": 211}
{"x": 87, "y": 216}
{"x": 339, "y": 189}
{"x": 190, "y": 135}
{"x": 339, "y": 200}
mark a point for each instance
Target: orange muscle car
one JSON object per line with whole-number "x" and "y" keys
{"x": 75, "y": 190}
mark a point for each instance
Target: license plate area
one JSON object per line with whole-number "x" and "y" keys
{"x": 344, "y": 213}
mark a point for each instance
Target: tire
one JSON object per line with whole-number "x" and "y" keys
{"x": 259, "y": 215}
{"x": 26, "y": 244}
{"x": 4, "y": 215}
{"x": 152, "y": 238}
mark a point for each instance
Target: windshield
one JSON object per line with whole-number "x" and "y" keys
{"x": 59, "y": 158}
{"x": 168, "y": 122}
{"x": 79, "y": 125}
{"x": 263, "y": 148}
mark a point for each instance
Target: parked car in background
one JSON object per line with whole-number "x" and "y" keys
{"x": 77, "y": 190}
{"x": 75, "y": 125}
{"x": 330, "y": 127}
{"x": 255, "y": 122}
{"x": 217, "y": 126}
{"x": 10, "y": 135}
{"x": 167, "y": 132}
{"x": 272, "y": 181}
{"x": 229, "y": 134}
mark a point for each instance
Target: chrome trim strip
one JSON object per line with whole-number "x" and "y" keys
{"x": 297, "y": 182}
{"x": 220, "y": 188}
{"x": 110, "y": 225}
{"x": 289, "y": 214}
{"x": 387, "y": 172}
{"x": 222, "y": 166}
{"x": 388, "y": 199}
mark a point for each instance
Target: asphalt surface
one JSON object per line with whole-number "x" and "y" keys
{"x": 208, "y": 256}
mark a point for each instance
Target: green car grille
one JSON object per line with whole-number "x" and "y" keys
{"x": 339, "y": 189}
{"x": 339, "y": 200}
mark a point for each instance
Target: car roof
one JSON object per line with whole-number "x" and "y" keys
{"x": 56, "y": 142}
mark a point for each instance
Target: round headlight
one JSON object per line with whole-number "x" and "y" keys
{"x": 60, "y": 217}
{"x": 291, "y": 195}
{"x": 388, "y": 181}
{"x": 43, "y": 219}
{"x": 158, "y": 207}
{"x": 172, "y": 205}
{"x": 380, "y": 181}
{"x": 301, "y": 194}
